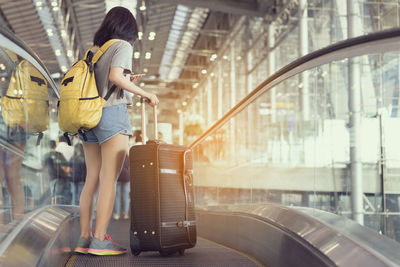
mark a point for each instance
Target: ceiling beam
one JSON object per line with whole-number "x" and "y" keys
{"x": 86, "y": 4}
{"x": 236, "y": 7}
{"x": 75, "y": 26}
{"x": 265, "y": 5}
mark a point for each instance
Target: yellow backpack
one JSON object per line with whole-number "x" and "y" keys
{"x": 26, "y": 102}
{"x": 80, "y": 105}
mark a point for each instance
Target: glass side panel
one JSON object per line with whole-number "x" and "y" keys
{"x": 300, "y": 142}
{"x": 28, "y": 114}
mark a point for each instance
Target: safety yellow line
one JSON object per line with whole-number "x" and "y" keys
{"x": 71, "y": 261}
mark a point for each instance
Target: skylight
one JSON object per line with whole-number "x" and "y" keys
{"x": 184, "y": 31}
{"x": 58, "y": 43}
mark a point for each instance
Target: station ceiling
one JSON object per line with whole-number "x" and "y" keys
{"x": 177, "y": 41}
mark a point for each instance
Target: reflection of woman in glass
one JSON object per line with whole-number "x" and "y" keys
{"x": 10, "y": 163}
{"x": 10, "y": 172}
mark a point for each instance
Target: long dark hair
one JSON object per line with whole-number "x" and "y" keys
{"x": 119, "y": 23}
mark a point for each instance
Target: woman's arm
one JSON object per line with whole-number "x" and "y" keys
{"x": 118, "y": 78}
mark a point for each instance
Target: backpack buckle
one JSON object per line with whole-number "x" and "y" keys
{"x": 68, "y": 139}
{"x": 82, "y": 132}
{"x": 40, "y": 136}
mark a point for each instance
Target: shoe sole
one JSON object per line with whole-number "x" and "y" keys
{"x": 65, "y": 249}
{"x": 81, "y": 250}
{"x": 106, "y": 252}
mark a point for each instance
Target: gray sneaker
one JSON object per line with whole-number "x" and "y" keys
{"x": 105, "y": 247}
{"x": 82, "y": 245}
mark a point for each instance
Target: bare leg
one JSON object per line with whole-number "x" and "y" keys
{"x": 93, "y": 166}
{"x": 113, "y": 153}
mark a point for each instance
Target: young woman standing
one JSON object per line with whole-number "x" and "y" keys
{"x": 107, "y": 143}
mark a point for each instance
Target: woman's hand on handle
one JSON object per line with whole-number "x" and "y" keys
{"x": 153, "y": 100}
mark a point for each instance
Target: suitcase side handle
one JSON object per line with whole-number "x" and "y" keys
{"x": 143, "y": 101}
{"x": 187, "y": 177}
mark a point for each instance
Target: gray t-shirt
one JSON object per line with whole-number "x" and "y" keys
{"x": 118, "y": 54}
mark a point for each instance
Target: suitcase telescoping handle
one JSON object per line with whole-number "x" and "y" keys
{"x": 143, "y": 101}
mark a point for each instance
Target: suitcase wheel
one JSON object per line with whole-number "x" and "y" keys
{"x": 135, "y": 252}
{"x": 135, "y": 245}
{"x": 181, "y": 252}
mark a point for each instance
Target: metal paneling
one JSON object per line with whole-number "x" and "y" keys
{"x": 43, "y": 238}
{"x": 284, "y": 236}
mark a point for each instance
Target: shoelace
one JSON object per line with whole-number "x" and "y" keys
{"x": 109, "y": 238}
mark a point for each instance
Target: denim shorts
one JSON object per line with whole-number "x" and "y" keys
{"x": 114, "y": 120}
{"x": 12, "y": 135}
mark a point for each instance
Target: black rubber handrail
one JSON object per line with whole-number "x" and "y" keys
{"x": 355, "y": 47}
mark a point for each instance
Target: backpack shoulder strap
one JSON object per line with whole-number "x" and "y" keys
{"x": 103, "y": 49}
{"x": 112, "y": 89}
{"x": 88, "y": 53}
{"x": 12, "y": 55}
{"x": 14, "y": 58}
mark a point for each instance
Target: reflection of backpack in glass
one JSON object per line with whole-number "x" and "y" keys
{"x": 26, "y": 102}
{"x": 80, "y": 106}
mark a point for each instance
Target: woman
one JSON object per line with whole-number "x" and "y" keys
{"x": 107, "y": 144}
